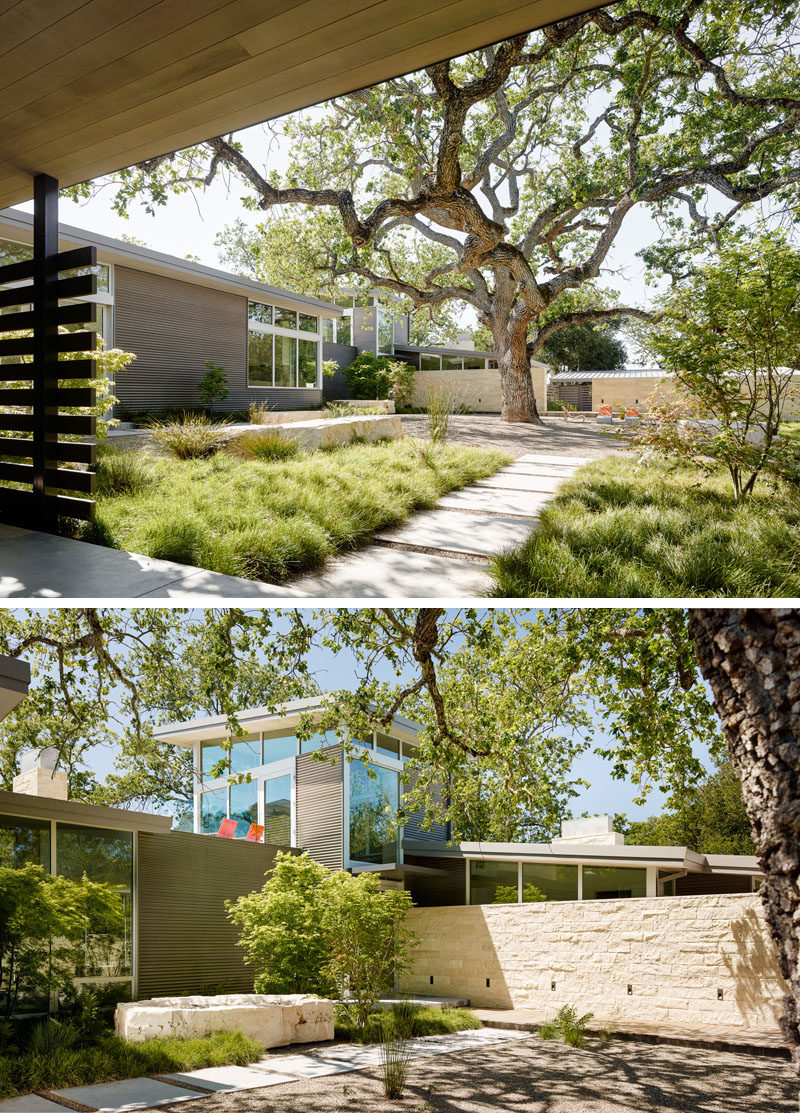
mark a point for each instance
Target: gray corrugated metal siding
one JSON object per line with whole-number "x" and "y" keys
{"x": 320, "y": 807}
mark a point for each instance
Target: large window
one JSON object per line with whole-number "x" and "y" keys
{"x": 213, "y": 809}
{"x": 544, "y": 882}
{"x": 493, "y": 883}
{"x": 281, "y": 352}
{"x": 385, "y": 332}
{"x": 278, "y": 745}
{"x": 24, "y": 842}
{"x": 608, "y": 882}
{"x": 278, "y": 811}
{"x": 245, "y": 753}
{"x": 374, "y": 801}
{"x": 244, "y": 806}
{"x": 430, "y": 363}
{"x": 102, "y": 856}
{"x": 214, "y": 760}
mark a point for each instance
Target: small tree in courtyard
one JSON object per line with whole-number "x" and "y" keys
{"x": 281, "y": 928}
{"x": 730, "y": 335}
{"x": 367, "y": 939}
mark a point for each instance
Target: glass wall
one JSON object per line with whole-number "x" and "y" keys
{"x": 385, "y": 332}
{"x": 608, "y": 882}
{"x": 545, "y": 882}
{"x": 246, "y": 753}
{"x": 24, "y": 842}
{"x": 279, "y": 744}
{"x": 213, "y": 809}
{"x": 102, "y": 856}
{"x": 214, "y": 760}
{"x": 278, "y": 811}
{"x": 493, "y": 883}
{"x": 244, "y": 806}
{"x": 281, "y": 351}
{"x": 374, "y": 801}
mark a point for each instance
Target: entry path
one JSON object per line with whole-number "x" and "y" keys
{"x": 273, "y": 1070}
{"x": 443, "y": 552}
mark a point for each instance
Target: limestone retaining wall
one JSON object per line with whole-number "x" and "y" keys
{"x": 479, "y": 389}
{"x": 652, "y": 960}
{"x": 329, "y": 432}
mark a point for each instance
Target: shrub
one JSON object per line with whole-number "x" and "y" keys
{"x": 567, "y": 1024}
{"x": 336, "y": 409}
{"x": 555, "y": 404}
{"x": 422, "y": 1021}
{"x": 264, "y": 446}
{"x": 367, "y": 941}
{"x": 281, "y": 928}
{"x": 370, "y": 376}
{"x": 191, "y": 437}
{"x": 122, "y": 471}
{"x": 213, "y": 387}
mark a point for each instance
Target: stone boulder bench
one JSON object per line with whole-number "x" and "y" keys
{"x": 273, "y": 1020}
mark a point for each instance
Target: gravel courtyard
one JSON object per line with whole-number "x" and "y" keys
{"x": 561, "y": 436}
{"x": 532, "y": 1076}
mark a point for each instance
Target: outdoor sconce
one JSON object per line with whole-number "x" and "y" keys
{"x": 431, "y": 979}
{"x": 630, "y": 990}
{"x": 553, "y": 986}
{"x": 719, "y": 994}
{"x": 488, "y": 983}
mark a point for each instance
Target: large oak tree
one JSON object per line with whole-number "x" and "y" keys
{"x": 502, "y": 180}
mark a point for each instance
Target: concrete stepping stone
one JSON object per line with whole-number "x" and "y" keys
{"x": 30, "y": 1103}
{"x": 558, "y": 471}
{"x": 128, "y": 1094}
{"x": 378, "y": 572}
{"x": 303, "y": 1066}
{"x": 232, "y": 1078}
{"x": 481, "y": 535}
{"x": 544, "y": 458}
{"x": 518, "y": 481}
{"x": 512, "y": 504}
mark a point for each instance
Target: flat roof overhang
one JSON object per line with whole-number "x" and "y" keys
{"x": 76, "y": 811}
{"x": 258, "y": 718}
{"x": 88, "y": 87}
{"x": 15, "y": 678}
{"x": 395, "y": 871}
{"x": 665, "y": 857}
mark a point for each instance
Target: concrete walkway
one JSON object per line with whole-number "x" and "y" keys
{"x": 273, "y": 1070}
{"x": 439, "y": 553}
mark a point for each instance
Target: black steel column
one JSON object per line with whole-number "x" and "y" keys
{"x": 45, "y": 341}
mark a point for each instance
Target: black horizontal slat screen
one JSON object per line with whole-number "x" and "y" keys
{"x": 37, "y": 492}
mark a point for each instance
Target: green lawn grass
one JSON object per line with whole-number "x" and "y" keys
{"x": 64, "y": 1061}
{"x": 618, "y": 529}
{"x": 427, "y": 1021}
{"x": 268, "y": 519}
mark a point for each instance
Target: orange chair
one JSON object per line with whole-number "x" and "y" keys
{"x": 605, "y": 414}
{"x": 255, "y": 834}
{"x": 227, "y": 829}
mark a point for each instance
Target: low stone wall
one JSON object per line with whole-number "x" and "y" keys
{"x": 274, "y": 1021}
{"x": 477, "y": 388}
{"x": 652, "y": 960}
{"x": 286, "y": 417}
{"x": 329, "y": 432}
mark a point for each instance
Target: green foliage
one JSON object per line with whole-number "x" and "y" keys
{"x": 556, "y": 405}
{"x": 264, "y": 446}
{"x": 584, "y": 347}
{"x": 329, "y": 368}
{"x": 59, "y": 1055}
{"x": 281, "y": 928}
{"x": 710, "y": 818}
{"x": 122, "y": 471}
{"x": 440, "y": 407}
{"x": 213, "y": 387}
{"x": 568, "y": 1025}
{"x": 507, "y": 894}
{"x": 267, "y": 520}
{"x": 367, "y": 940}
{"x": 42, "y": 923}
{"x": 336, "y": 409}
{"x": 729, "y": 334}
{"x": 370, "y": 376}
{"x": 191, "y": 438}
{"x": 657, "y": 531}
{"x": 423, "y": 1021}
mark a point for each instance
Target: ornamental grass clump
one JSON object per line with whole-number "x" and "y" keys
{"x": 122, "y": 471}
{"x": 191, "y": 437}
{"x": 263, "y": 446}
{"x": 440, "y": 409}
{"x": 396, "y": 1030}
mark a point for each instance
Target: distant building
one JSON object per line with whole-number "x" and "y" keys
{"x": 588, "y": 390}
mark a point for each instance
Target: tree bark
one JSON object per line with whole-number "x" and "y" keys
{"x": 516, "y": 385}
{"x": 751, "y": 659}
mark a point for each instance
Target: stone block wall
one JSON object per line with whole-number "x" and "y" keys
{"x": 652, "y": 960}
{"x": 477, "y": 388}
{"x": 631, "y": 392}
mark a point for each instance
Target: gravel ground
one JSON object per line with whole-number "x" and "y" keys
{"x": 532, "y": 1076}
{"x": 560, "y": 436}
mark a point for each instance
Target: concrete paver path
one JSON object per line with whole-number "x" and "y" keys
{"x": 273, "y": 1070}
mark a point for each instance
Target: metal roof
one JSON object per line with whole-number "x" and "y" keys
{"x": 623, "y": 373}
{"x": 77, "y": 811}
{"x": 16, "y": 223}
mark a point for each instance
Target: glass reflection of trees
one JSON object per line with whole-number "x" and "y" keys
{"x": 102, "y": 856}
{"x": 374, "y": 802}
{"x": 24, "y": 842}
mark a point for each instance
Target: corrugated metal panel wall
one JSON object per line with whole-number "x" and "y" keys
{"x": 174, "y": 327}
{"x": 320, "y": 807}
{"x": 185, "y": 941}
{"x": 414, "y": 825}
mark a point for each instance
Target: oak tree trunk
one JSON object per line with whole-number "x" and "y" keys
{"x": 516, "y": 385}
{"x": 751, "y": 659}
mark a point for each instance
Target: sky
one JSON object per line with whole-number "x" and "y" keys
{"x": 334, "y": 671}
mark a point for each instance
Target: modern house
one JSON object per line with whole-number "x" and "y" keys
{"x": 305, "y": 792}
{"x": 589, "y": 390}
{"x": 373, "y": 324}
{"x": 175, "y": 314}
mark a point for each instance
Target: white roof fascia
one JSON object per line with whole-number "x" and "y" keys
{"x": 669, "y": 857}
{"x": 734, "y": 863}
{"x": 190, "y": 731}
{"x": 18, "y": 225}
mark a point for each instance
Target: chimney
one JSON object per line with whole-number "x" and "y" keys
{"x": 39, "y": 776}
{"x": 465, "y": 342}
{"x": 594, "y": 830}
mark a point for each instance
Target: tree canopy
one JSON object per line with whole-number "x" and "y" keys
{"x": 502, "y": 179}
